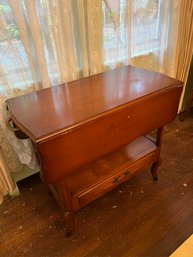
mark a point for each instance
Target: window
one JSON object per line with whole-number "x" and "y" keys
{"x": 13, "y": 59}
{"x": 129, "y": 29}
{"x": 146, "y": 26}
{"x": 135, "y": 28}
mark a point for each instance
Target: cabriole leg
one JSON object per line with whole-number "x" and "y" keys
{"x": 62, "y": 196}
{"x": 69, "y": 223}
{"x": 65, "y": 197}
{"x": 154, "y": 169}
{"x": 156, "y": 164}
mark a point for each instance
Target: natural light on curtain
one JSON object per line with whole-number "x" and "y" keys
{"x": 56, "y": 41}
{"x": 44, "y": 43}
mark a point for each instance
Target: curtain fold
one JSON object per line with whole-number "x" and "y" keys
{"x": 20, "y": 21}
{"x": 50, "y": 42}
{"x": 35, "y": 30}
{"x": 184, "y": 46}
{"x": 94, "y": 25}
{"x": 7, "y": 184}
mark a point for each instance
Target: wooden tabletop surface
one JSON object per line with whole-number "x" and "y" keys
{"x": 62, "y": 107}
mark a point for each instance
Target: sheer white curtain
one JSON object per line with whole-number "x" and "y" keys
{"x": 44, "y": 43}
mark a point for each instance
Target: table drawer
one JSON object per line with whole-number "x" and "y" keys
{"x": 101, "y": 187}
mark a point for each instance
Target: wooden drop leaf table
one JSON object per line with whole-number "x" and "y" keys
{"x": 91, "y": 134}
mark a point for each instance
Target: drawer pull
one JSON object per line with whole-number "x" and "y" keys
{"x": 126, "y": 173}
{"x": 116, "y": 180}
{"x": 10, "y": 127}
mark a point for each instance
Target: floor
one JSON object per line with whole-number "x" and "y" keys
{"x": 139, "y": 218}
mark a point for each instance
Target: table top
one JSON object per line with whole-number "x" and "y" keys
{"x": 60, "y": 108}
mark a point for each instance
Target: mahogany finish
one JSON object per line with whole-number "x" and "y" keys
{"x": 87, "y": 134}
{"x": 46, "y": 112}
{"x": 96, "y": 178}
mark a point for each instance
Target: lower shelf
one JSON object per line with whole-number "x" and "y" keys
{"x": 96, "y": 178}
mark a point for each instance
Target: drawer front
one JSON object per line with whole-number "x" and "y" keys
{"x": 111, "y": 182}
{"x": 65, "y": 153}
{"x": 103, "y": 187}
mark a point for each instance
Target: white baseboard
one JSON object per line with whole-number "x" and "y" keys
{"x": 24, "y": 173}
